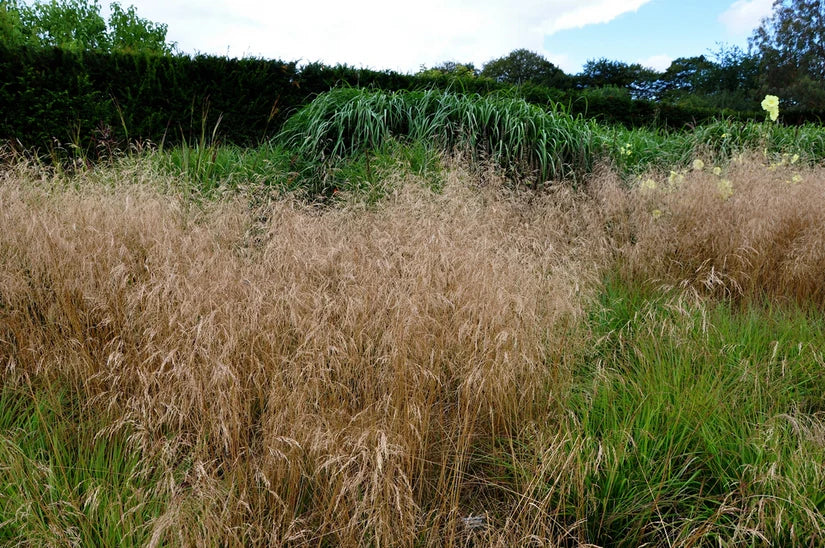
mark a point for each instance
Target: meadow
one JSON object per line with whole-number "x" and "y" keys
{"x": 418, "y": 319}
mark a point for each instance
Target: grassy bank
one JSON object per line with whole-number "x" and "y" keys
{"x": 450, "y": 361}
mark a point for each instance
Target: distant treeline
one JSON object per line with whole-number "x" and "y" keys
{"x": 53, "y": 97}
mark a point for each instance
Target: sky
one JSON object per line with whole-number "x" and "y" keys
{"x": 404, "y": 36}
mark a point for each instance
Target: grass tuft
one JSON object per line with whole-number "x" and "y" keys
{"x": 526, "y": 140}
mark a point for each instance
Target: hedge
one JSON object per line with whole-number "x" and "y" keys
{"x": 51, "y": 96}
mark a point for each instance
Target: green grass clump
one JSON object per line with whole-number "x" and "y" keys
{"x": 212, "y": 168}
{"x": 639, "y": 150}
{"x": 698, "y": 424}
{"x": 524, "y": 139}
{"x": 371, "y": 174}
{"x": 727, "y": 138}
{"x": 215, "y": 169}
{"x": 66, "y": 481}
{"x": 636, "y": 151}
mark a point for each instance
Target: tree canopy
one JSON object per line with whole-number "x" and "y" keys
{"x": 523, "y": 66}
{"x": 791, "y": 46}
{"x": 641, "y": 82}
{"x": 79, "y": 25}
{"x": 727, "y": 78}
{"x": 451, "y": 68}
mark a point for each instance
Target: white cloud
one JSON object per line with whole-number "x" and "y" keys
{"x": 657, "y": 62}
{"x": 571, "y": 14}
{"x": 745, "y": 15}
{"x": 377, "y": 33}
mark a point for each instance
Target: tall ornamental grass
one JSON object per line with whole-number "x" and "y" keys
{"x": 524, "y": 139}
{"x": 529, "y": 142}
{"x": 438, "y": 369}
{"x": 307, "y": 377}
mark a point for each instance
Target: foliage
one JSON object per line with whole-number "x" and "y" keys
{"x": 640, "y": 81}
{"x": 522, "y": 66}
{"x": 131, "y": 33}
{"x": 792, "y": 53}
{"x": 527, "y": 140}
{"x": 727, "y": 79}
{"x": 734, "y": 79}
{"x": 78, "y": 25}
{"x": 686, "y": 76}
{"x": 66, "y": 479}
{"x": 67, "y": 24}
{"x": 451, "y": 68}
{"x": 13, "y": 33}
{"x": 257, "y": 371}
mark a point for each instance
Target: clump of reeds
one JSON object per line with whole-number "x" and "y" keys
{"x": 534, "y": 143}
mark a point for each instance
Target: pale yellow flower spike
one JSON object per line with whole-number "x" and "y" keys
{"x": 698, "y": 165}
{"x": 771, "y": 104}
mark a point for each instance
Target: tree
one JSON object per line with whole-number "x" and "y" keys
{"x": 523, "y": 66}
{"x": 791, "y": 44}
{"x": 13, "y": 32}
{"x": 131, "y": 33}
{"x": 79, "y": 25}
{"x": 734, "y": 79}
{"x": 641, "y": 82}
{"x": 735, "y": 69}
{"x": 450, "y": 68}
{"x": 724, "y": 79}
{"x": 68, "y": 24}
{"x": 686, "y": 76}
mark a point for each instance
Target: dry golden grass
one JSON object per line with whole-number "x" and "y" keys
{"x": 330, "y": 372}
{"x": 333, "y": 375}
{"x": 766, "y": 240}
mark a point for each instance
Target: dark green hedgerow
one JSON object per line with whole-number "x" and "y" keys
{"x": 49, "y": 95}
